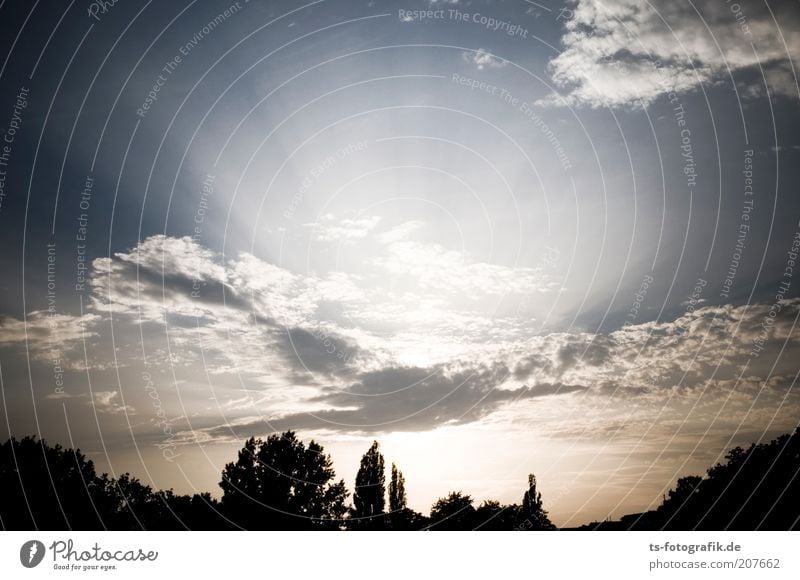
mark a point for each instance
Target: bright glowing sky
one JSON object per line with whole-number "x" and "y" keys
{"x": 496, "y": 252}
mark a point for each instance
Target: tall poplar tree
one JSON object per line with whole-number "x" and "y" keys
{"x": 369, "y": 497}
{"x": 397, "y": 491}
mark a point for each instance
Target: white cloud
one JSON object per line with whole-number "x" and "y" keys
{"x": 652, "y": 378}
{"x": 438, "y": 269}
{"x": 110, "y": 402}
{"x": 628, "y": 52}
{"x": 48, "y": 335}
{"x": 710, "y": 344}
{"x": 246, "y": 307}
{"x": 300, "y": 341}
{"x": 482, "y": 59}
{"x": 333, "y": 229}
{"x": 400, "y": 232}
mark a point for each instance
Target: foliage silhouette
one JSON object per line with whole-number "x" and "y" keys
{"x": 531, "y": 515}
{"x": 283, "y": 484}
{"x": 457, "y": 512}
{"x": 369, "y": 497}
{"x": 397, "y": 490}
{"x": 52, "y": 488}
{"x": 755, "y": 489}
{"x": 491, "y": 515}
{"x": 400, "y": 516}
{"x": 46, "y": 488}
{"x": 280, "y": 484}
{"x": 454, "y": 512}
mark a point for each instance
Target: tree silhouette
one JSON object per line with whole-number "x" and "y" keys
{"x": 46, "y": 488}
{"x": 397, "y": 490}
{"x": 198, "y": 512}
{"x": 51, "y": 488}
{"x": 756, "y": 488}
{"x": 132, "y": 505}
{"x": 491, "y": 515}
{"x": 531, "y": 515}
{"x": 282, "y": 484}
{"x": 369, "y": 495}
{"x": 400, "y": 516}
{"x": 454, "y": 512}
{"x": 129, "y": 504}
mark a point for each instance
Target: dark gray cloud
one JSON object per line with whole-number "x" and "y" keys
{"x": 404, "y": 399}
{"x": 316, "y": 351}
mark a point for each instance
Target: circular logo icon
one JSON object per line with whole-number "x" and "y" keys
{"x": 31, "y": 553}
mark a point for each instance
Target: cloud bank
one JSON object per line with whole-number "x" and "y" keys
{"x": 331, "y": 352}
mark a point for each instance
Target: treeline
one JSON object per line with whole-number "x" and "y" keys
{"x": 757, "y": 488}
{"x": 279, "y": 483}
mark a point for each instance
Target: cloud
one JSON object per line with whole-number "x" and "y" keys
{"x": 252, "y": 313}
{"x": 333, "y": 229}
{"x": 352, "y": 352}
{"x": 317, "y": 351}
{"x": 438, "y": 269}
{"x": 110, "y": 402}
{"x": 628, "y": 53}
{"x": 411, "y": 302}
{"x": 483, "y": 59}
{"x": 162, "y": 274}
{"x": 710, "y": 344}
{"x": 406, "y": 399}
{"x": 400, "y": 232}
{"x": 685, "y": 370}
{"x": 48, "y": 335}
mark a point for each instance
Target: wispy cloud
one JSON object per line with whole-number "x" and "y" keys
{"x": 48, "y": 335}
{"x": 331, "y": 228}
{"x": 439, "y": 269}
{"x": 110, "y": 402}
{"x": 482, "y": 59}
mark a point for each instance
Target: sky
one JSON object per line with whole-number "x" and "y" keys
{"x": 498, "y": 237}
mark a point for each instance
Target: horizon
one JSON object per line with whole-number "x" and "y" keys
{"x": 352, "y": 487}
